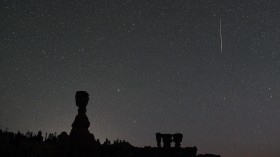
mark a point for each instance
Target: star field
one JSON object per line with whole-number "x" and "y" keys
{"x": 148, "y": 66}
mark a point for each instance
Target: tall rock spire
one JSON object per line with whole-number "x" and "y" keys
{"x": 81, "y": 138}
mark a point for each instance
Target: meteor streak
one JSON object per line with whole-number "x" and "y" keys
{"x": 221, "y": 36}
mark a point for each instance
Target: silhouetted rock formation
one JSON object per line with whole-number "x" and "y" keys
{"x": 158, "y": 137}
{"x": 81, "y": 143}
{"x": 80, "y": 136}
{"x": 81, "y": 123}
{"x": 177, "y": 138}
{"x": 168, "y": 138}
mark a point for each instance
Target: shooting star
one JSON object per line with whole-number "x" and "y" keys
{"x": 221, "y": 36}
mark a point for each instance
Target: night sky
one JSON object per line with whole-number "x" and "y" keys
{"x": 149, "y": 66}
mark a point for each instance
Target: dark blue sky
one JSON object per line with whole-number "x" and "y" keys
{"x": 148, "y": 66}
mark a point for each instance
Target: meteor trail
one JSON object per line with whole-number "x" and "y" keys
{"x": 221, "y": 36}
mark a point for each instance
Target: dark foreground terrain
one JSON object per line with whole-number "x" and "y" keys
{"x": 52, "y": 145}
